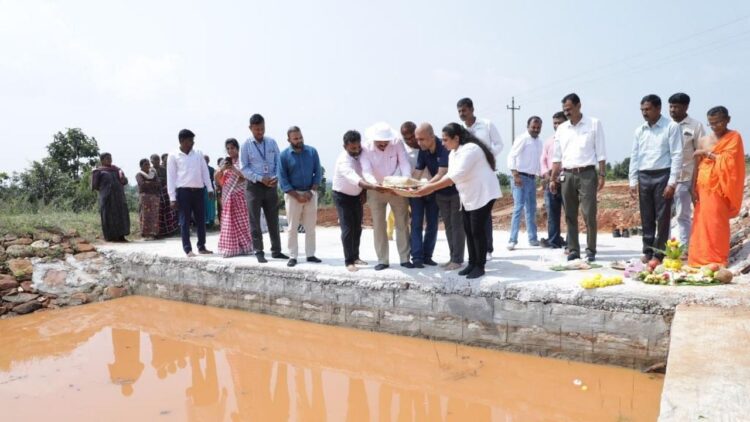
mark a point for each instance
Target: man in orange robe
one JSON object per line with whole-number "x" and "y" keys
{"x": 718, "y": 190}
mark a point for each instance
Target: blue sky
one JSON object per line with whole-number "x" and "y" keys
{"x": 133, "y": 73}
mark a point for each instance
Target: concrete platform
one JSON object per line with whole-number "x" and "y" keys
{"x": 519, "y": 305}
{"x": 708, "y": 375}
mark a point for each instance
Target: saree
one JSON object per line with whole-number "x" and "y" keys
{"x": 168, "y": 222}
{"x": 149, "y": 191}
{"x": 235, "y": 224}
{"x": 113, "y": 208}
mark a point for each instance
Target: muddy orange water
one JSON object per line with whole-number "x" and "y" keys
{"x": 143, "y": 359}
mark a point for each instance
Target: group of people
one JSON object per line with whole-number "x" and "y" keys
{"x": 671, "y": 160}
{"x": 675, "y": 167}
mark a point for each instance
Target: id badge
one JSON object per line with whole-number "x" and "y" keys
{"x": 562, "y": 178}
{"x": 265, "y": 169}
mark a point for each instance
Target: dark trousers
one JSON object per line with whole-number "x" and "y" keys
{"x": 553, "y": 202}
{"x": 450, "y": 211}
{"x": 655, "y": 210}
{"x": 350, "y": 212}
{"x": 190, "y": 203}
{"x": 488, "y": 234}
{"x": 475, "y": 226}
{"x": 579, "y": 190}
{"x": 423, "y": 236}
{"x": 261, "y": 197}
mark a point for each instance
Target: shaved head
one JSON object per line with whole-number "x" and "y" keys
{"x": 425, "y": 137}
{"x": 426, "y": 129}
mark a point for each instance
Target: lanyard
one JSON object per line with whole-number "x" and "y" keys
{"x": 262, "y": 154}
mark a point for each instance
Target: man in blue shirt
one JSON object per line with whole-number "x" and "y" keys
{"x": 655, "y": 164}
{"x": 432, "y": 161}
{"x": 299, "y": 176}
{"x": 259, "y": 157}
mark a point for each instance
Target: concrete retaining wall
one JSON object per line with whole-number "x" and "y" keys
{"x": 589, "y": 328}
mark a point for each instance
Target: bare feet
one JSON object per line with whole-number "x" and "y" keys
{"x": 360, "y": 262}
{"x": 205, "y": 252}
{"x": 352, "y": 267}
{"x": 452, "y": 266}
{"x": 191, "y": 254}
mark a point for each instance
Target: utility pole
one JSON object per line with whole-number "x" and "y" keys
{"x": 512, "y": 107}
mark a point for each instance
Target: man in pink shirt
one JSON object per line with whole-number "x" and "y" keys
{"x": 384, "y": 155}
{"x": 552, "y": 201}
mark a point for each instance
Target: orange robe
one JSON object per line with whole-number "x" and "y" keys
{"x": 719, "y": 185}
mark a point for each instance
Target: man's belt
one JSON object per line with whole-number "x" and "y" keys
{"x": 658, "y": 172}
{"x": 577, "y": 170}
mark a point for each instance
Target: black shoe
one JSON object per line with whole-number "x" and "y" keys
{"x": 573, "y": 256}
{"x": 418, "y": 264}
{"x": 261, "y": 258}
{"x": 616, "y": 233}
{"x": 625, "y": 233}
{"x": 467, "y": 270}
{"x": 292, "y": 262}
{"x": 430, "y": 262}
{"x": 380, "y": 267}
{"x": 475, "y": 273}
{"x": 313, "y": 259}
{"x": 408, "y": 264}
{"x": 279, "y": 255}
{"x": 544, "y": 243}
{"x": 590, "y": 257}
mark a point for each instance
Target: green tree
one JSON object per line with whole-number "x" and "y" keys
{"x": 620, "y": 170}
{"x": 72, "y": 151}
{"x": 44, "y": 182}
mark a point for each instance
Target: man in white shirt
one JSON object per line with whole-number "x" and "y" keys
{"x": 349, "y": 195}
{"x": 655, "y": 161}
{"x": 579, "y": 147}
{"x": 384, "y": 155}
{"x": 692, "y": 130}
{"x": 187, "y": 175}
{"x": 485, "y": 131}
{"x": 524, "y": 163}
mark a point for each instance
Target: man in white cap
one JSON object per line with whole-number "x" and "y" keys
{"x": 384, "y": 155}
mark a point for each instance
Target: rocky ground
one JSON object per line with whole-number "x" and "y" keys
{"x": 49, "y": 270}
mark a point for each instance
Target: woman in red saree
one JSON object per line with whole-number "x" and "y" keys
{"x": 718, "y": 190}
{"x": 235, "y": 223}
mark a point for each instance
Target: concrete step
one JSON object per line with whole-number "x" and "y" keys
{"x": 708, "y": 371}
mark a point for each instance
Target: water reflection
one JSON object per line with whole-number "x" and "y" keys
{"x": 217, "y": 365}
{"x": 127, "y": 367}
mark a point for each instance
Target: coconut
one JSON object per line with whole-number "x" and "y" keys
{"x": 724, "y": 276}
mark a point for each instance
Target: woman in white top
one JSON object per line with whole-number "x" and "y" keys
{"x": 471, "y": 167}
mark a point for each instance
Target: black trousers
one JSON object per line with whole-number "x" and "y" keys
{"x": 656, "y": 211}
{"x": 350, "y": 212}
{"x": 475, "y": 226}
{"x": 261, "y": 197}
{"x": 190, "y": 203}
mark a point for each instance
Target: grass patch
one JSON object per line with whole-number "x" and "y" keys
{"x": 87, "y": 223}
